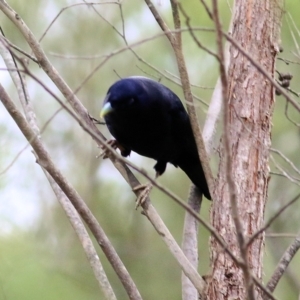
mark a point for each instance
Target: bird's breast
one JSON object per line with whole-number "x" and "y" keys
{"x": 147, "y": 136}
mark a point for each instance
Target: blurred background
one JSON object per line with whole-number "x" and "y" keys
{"x": 40, "y": 256}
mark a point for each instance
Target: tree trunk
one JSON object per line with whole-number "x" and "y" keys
{"x": 251, "y": 99}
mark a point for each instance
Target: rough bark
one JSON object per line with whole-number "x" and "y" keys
{"x": 250, "y": 107}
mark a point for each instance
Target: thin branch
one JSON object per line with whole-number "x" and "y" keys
{"x": 190, "y": 242}
{"x": 271, "y": 220}
{"x": 191, "y": 31}
{"x": 284, "y": 263}
{"x": 164, "y": 27}
{"x": 210, "y": 14}
{"x": 281, "y": 235}
{"x": 20, "y": 50}
{"x": 84, "y": 238}
{"x": 284, "y": 173}
{"x": 71, "y": 6}
{"x": 288, "y": 61}
{"x": 287, "y": 115}
{"x": 286, "y": 160}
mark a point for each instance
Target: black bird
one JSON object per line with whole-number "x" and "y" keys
{"x": 148, "y": 118}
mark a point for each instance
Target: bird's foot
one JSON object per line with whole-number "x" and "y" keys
{"x": 105, "y": 152}
{"x": 143, "y": 195}
{"x": 96, "y": 121}
{"x": 115, "y": 145}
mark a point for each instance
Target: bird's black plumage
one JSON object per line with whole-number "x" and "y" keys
{"x": 148, "y": 118}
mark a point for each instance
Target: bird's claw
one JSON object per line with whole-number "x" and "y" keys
{"x": 96, "y": 121}
{"x": 143, "y": 195}
{"x": 104, "y": 151}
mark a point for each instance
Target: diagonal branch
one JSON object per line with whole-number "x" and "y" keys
{"x": 283, "y": 264}
{"x": 46, "y": 163}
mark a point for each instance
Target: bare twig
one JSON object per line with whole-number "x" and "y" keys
{"x": 286, "y": 159}
{"x": 71, "y": 6}
{"x": 85, "y": 240}
{"x": 281, "y": 235}
{"x": 191, "y": 31}
{"x": 20, "y": 50}
{"x": 288, "y": 61}
{"x": 284, "y": 173}
{"x": 272, "y": 219}
{"x": 283, "y": 263}
{"x": 190, "y": 242}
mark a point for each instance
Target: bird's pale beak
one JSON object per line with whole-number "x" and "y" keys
{"x": 106, "y": 109}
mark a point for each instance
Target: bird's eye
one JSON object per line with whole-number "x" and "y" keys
{"x": 126, "y": 102}
{"x": 122, "y": 103}
{"x": 130, "y": 101}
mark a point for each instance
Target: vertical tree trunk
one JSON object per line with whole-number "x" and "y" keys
{"x": 251, "y": 99}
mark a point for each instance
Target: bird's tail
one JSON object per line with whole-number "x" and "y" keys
{"x": 194, "y": 171}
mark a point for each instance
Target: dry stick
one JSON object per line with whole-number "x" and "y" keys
{"x": 84, "y": 239}
{"x": 190, "y": 230}
{"x": 283, "y": 264}
{"x": 232, "y": 189}
{"x": 272, "y": 219}
{"x": 71, "y": 6}
{"x": 286, "y": 159}
{"x": 71, "y": 213}
{"x": 284, "y": 173}
{"x": 190, "y": 242}
{"x": 281, "y": 235}
{"x": 123, "y": 169}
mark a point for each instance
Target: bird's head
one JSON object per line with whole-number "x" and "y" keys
{"x": 123, "y": 95}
